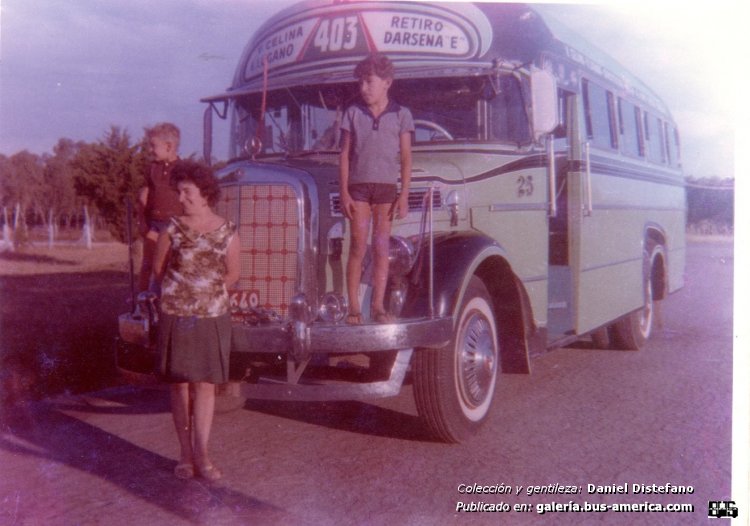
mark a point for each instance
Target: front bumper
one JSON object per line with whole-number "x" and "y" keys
{"x": 303, "y": 348}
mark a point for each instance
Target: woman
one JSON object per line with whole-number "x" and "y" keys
{"x": 197, "y": 259}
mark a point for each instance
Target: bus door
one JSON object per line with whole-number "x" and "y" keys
{"x": 560, "y": 301}
{"x": 605, "y": 270}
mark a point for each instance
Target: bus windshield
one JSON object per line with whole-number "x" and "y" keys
{"x": 445, "y": 110}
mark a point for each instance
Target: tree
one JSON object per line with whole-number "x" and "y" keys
{"x": 59, "y": 196}
{"x": 108, "y": 174}
{"x": 710, "y": 199}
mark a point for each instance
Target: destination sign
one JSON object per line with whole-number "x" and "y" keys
{"x": 341, "y": 33}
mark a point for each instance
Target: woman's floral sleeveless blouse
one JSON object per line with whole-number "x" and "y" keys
{"x": 193, "y": 283}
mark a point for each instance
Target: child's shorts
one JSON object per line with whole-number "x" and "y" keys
{"x": 157, "y": 225}
{"x": 374, "y": 193}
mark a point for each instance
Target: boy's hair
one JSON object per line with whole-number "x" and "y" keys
{"x": 165, "y": 131}
{"x": 375, "y": 64}
{"x": 200, "y": 175}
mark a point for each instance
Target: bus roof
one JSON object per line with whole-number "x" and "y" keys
{"x": 320, "y": 42}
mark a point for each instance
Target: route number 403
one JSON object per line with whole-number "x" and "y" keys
{"x": 336, "y": 34}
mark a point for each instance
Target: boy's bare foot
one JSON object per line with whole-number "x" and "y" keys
{"x": 383, "y": 317}
{"x": 354, "y": 318}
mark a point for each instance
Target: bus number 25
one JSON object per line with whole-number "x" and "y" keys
{"x": 337, "y": 34}
{"x": 525, "y": 185}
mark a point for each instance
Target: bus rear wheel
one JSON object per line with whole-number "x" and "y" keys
{"x": 631, "y": 332}
{"x": 454, "y": 386}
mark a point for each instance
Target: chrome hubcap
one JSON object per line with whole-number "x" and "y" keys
{"x": 477, "y": 360}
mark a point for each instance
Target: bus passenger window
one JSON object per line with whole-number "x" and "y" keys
{"x": 662, "y": 146}
{"x": 639, "y": 130}
{"x": 674, "y": 146}
{"x": 599, "y": 117}
{"x": 629, "y": 128}
{"x": 651, "y": 132}
{"x": 665, "y": 133}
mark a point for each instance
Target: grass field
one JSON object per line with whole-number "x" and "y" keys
{"x": 64, "y": 258}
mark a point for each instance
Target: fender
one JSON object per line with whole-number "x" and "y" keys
{"x": 458, "y": 256}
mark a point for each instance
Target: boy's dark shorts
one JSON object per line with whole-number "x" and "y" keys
{"x": 374, "y": 193}
{"x": 158, "y": 226}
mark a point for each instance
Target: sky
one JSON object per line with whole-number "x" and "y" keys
{"x": 74, "y": 68}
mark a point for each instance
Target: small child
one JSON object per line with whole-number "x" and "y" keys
{"x": 157, "y": 200}
{"x": 376, "y": 148}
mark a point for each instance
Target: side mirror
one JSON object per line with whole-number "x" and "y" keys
{"x": 543, "y": 102}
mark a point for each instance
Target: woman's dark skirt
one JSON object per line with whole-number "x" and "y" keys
{"x": 194, "y": 349}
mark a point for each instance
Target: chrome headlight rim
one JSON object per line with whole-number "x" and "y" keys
{"x": 402, "y": 254}
{"x": 333, "y": 307}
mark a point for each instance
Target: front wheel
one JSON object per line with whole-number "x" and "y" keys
{"x": 454, "y": 386}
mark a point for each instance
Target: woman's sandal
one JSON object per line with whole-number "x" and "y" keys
{"x": 209, "y": 472}
{"x": 184, "y": 471}
{"x": 383, "y": 317}
{"x": 354, "y": 318}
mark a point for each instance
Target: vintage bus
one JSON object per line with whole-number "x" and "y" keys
{"x": 547, "y": 204}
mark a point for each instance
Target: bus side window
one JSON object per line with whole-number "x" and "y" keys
{"x": 612, "y": 121}
{"x": 599, "y": 116}
{"x": 662, "y": 145}
{"x": 676, "y": 146}
{"x": 665, "y": 133}
{"x": 654, "y": 146}
{"x": 629, "y": 128}
{"x": 639, "y": 132}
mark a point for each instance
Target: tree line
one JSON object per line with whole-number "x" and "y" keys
{"x": 53, "y": 189}
{"x": 710, "y": 205}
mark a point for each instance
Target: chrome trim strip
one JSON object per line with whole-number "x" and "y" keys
{"x": 635, "y": 208}
{"x": 530, "y": 207}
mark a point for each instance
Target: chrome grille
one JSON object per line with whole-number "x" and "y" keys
{"x": 268, "y": 219}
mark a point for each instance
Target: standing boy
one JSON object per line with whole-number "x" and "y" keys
{"x": 158, "y": 200}
{"x": 376, "y": 148}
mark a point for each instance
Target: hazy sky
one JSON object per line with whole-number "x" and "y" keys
{"x": 72, "y": 68}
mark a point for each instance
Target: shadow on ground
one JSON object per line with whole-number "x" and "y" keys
{"x": 44, "y": 431}
{"x": 354, "y": 417}
{"x": 57, "y": 332}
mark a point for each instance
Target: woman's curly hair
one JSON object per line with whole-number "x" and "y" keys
{"x": 200, "y": 175}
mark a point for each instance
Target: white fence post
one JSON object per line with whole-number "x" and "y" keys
{"x": 87, "y": 235}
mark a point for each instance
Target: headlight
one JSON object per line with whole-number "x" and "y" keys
{"x": 300, "y": 309}
{"x": 401, "y": 255}
{"x": 333, "y": 307}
